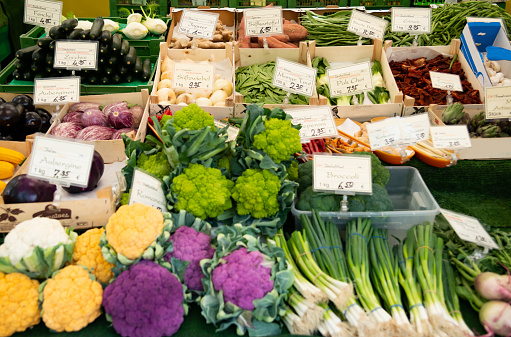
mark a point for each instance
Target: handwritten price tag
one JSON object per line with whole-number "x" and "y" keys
{"x": 342, "y": 174}
{"x": 414, "y": 128}
{"x": 411, "y": 20}
{"x": 263, "y": 21}
{"x": 469, "y": 229}
{"x": 384, "y": 133}
{"x": 317, "y": 122}
{"x": 450, "y": 137}
{"x": 146, "y": 189}
{"x": 497, "y": 102}
{"x": 444, "y": 81}
{"x": 44, "y": 13}
{"x": 193, "y": 76}
{"x": 198, "y": 24}
{"x": 350, "y": 80}
{"x": 76, "y": 55}
{"x": 294, "y": 77}
{"x": 61, "y": 161}
{"x": 57, "y": 90}
{"x": 367, "y": 25}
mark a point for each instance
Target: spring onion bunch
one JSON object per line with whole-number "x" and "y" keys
{"x": 325, "y": 241}
{"x": 384, "y": 274}
{"x": 302, "y": 316}
{"x": 332, "y": 325}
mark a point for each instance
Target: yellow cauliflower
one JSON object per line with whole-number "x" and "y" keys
{"x": 88, "y": 253}
{"x": 71, "y": 300}
{"x": 18, "y": 303}
{"x": 132, "y": 229}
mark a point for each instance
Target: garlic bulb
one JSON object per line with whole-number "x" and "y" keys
{"x": 495, "y": 65}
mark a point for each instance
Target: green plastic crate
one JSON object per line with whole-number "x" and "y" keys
{"x": 256, "y": 3}
{"x": 162, "y": 6}
{"x": 197, "y": 3}
{"x": 381, "y": 4}
{"x": 8, "y": 84}
{"x": 316, "y": 3}
{"x": 148, "y": 46}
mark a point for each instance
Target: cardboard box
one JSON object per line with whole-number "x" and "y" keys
{"x": 197, "y": 55}
{"x": 409, "y": 107}
{"x": 79, "y": 214}
{"x": 355, "y": 54}
{"x": 482, "y": 148}
{"x": 476, "y": 37}
{"x": 112, "y": 150}
{"x": 247, "y": 56}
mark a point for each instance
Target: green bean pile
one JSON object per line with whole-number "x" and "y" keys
{"x": 448, "y": 21}
{"x": 330, "y": 30}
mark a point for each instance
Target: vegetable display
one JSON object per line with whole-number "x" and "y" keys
{"x": 293, "y": 33}
{"x": 221, "y": 36}
{"x": 20, "y": 118}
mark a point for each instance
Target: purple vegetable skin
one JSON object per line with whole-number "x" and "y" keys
{"x": 242, "y": 278}
{"x": 117, "y": 105}
{"x": 137, "y": 112}
{"x": 96, "y": 132}
{"x": 121, "y": 118}
{"x": 193, "y": 246}
{"x": 118, "y": 133}
{"x": 82, "y": 106}
{"x": 145, "y": 300}
{"x": 69, "y": 130}
{"x": 73, "y": 117}
{"x": 23, "y": 189}
{"x": 96, "y": 172}
{"x": 94, "y": 117}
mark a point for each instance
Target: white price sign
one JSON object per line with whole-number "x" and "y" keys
{"x": 414, "y": 128}
{"x": 76, "y": 55}
{"x": 444, "y": 81}
{"x": 497, "y": 102}
{"x": 146, "y": 189}
{"x": 342, "y": 174}
{"x": 317, "y": 122}
{"x": 193, "y": 76}
{"x": 44, "y": 13}
{"x": 198, "y": 24}
{"x": 61, "y": 161}
{"x": 263, "y": 21}
{"x": 294, "y": 77}
{"x": 411, "y": 20}
{"x": 384, "y": 133}
{"x": 350, "y": 80}
{"x": 57, "y": 90}
{"x": 450, "y": 137}
{"x": 469, "y": 229}
{"x": 367, "y": 25}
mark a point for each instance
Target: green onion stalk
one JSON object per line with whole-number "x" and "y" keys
{"x": 428, "y": 267}
{"x": 332, "y": 325}
{"x": 408, "y": 281}
{"x": 325, "y": 241}
{"x": 384, "y": 274}
{"x": 337, "y": 291}
{"x": 358, "y": 233}
{"x": 304, "y": 286}
{"x": 310, "y": 314}
{"x": 294, "y": 323}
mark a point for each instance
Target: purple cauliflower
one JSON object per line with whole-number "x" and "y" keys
{"x": 145, "y": 301}
{"x": 242, "y": 278}
{"x": 191, "y": 245}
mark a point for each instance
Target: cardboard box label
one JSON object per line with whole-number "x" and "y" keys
{"x": 263, "y": 21}
{"x": 411, "y": 20}
{"x": 497, "y": 102}
{"x": 57, "y": 90}
{"x": 367, "y": 25}
{"x": 193, "y": 76}
{"x": 350, "y": 80}
{"x": 317, "y": 122}
{"x": 75, "y": 55}
{"x": 294, "y": 77}
{"x": 450, "y": 137}
{"x": 42, "y": 13}
{"x": 198, "y": 24}
{"x": 342, "y": 174}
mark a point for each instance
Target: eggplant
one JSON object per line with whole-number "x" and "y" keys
{"x": 82, "y": 106}
{"x": 112, "y": 106}
{"x": 96, "y": 172}
{"x": 10, "y": 114}
{"x": 94, "y": 117}
{"x": 2, "y": 100}
{"x": 31, "y": 122}
{"x": 45, "y": 119}
{"x": 23, "y": 189}
{"x": 26, "y": 101}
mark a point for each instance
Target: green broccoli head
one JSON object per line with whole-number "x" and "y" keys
{"x": 380, "y": 174}
{"x": 156, "y": 164}
{"x": 379, "y": 201}
{"x": 280, "y": 140}
{"x": 304, "y": 175}
{"x": 256, "y": 193}
{"x": 202, "y": 191}
{"x": 192, "y": 117}
{"x": 321, "y": 201}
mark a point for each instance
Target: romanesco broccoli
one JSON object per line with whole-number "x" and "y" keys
{"x": 164, "y": 119}
{"x": 192, "y": 117}
{"x": 256, "y": 193}
{"x": 280, "y": 140}
{"x": 156, "y": 164}
{"x": 125, "y": 198}
{"x": 202, "y": 191}
{"x": 292, "y": 171}
{"x": 225, "y": 162}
